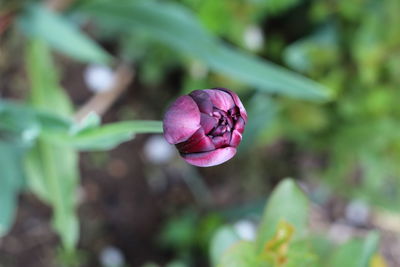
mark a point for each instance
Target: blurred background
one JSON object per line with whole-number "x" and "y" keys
{"x": 319, "y": 80}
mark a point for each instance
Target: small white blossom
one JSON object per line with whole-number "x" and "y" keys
{"x": 157, "y": 150}
{"x": 245, "y": 229}
{"x": 357, "y": 213}
{"x": 253, "y": 38}
{"x": 111, "y": 257}
{"x": 99, "y": 78}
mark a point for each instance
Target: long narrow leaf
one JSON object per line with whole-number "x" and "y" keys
{"x": 39, "y": 22}
{"x": 177, "y": 27}
{"x": 11, "y": 181}
{"x": 52, "y": 171}
{"x": 356, "y": 252}
{"x": 106, "y": 136}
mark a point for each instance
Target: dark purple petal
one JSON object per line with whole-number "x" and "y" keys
{"x": 220, "y": 99}
{"x": 211, "y": 158}
{"x": 238, "y": 103}
{"x": 198, "y": 142}
{"x": 203, "y": 101}
{"x": 229, "y": 122}
{"x": 239, "y": 125}
{"x": 236, "y": 138}
{"x": 181, "y": 120}
{"x": 223, "y": 140}
{"x": 207, "y": 122}
{"x": 219, "y": 130}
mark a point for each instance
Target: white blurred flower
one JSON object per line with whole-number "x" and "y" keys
{"x": 357, "y": 213}
{"x": 340, "y": 232}
{"x": 245, "y": 229}
{"x": 157, "y": 150}
{"x": 253, "y": 38}
{"x": 111, "y": 257}
{"x": 99, "y": 78}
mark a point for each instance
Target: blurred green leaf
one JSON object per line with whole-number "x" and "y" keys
{"x": 356, "y": 253}
{"x": 46, "y": 93}
{"x": 314, "y": 51}
{"x": 39, "y": 22}
{"x": 224, "y": 238}
{"x": 52, "y": 174}
{"x": 92, "y": 120}
{"x": 11, "y": 181}
{"x": 179, "y": 232}
{"x": 106, "y": 136}
{"x": 25, "y": 122}
{"x": 275, "y": 250}
{"x": 52, "y": 123}
{"x": 279, "y": 6}
{"x": 52, "y": 171}
{"x": 301, "y": 254}
{"x": 176, "y": 263}
{"x": 17, "y": 124}
{"x": 287, "y": 203}
{"x": 281, "y": 250}
{"x": 321, "y": 246}
{"x": 241, "y": 254}
{"x": 176, "y": 27}
{"x": 262, "y": 111}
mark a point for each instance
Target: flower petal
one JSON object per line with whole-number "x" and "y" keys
{"x": 220, "y": 99}
{"x": 237, "y": 101}
{"x": 198, "y": 142}
{"x": 211, "y": 158}
{"x": 203, "y": 101}
{"x": 181, "y": 120}
{"x": 207, "y": 122}
{"x": 222, "y": 140}
{"x": 236, "y": 138}
{"x": 239, "y": 125}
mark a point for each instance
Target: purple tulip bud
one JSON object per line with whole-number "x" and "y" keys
{"x": 206, "y": 126}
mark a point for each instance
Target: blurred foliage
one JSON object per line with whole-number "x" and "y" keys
{"x": 345, "y": 46}
{"x": 350, "y": 47}
{"x": 350, "y": 52}
{"x": 286, "y": 246}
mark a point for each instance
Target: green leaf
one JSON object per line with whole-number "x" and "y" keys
{"x": 24, "y": 123}
{"x": 39, "y": 22}
{"x": 241, "y": 254}
{"x": 279, "y": 6}
{"x": 106, "y": 136}
{"x": 224, "y": 238}
{"x": 52, "y": 123}
{"x": 11, "y": 181}
{"x": 46, "y": 94}
{"x": 287, "y": 203}
{"x": 52, "y": 174}
{"x": 356, "y": 253}
{"x": 301, "y": 254}
{"x": 281, "y": 250}
{"x": 176, "y": 27}
{"x": 17, "y": 124}
{"x": 262, "y": 110}
{"x": 52, "y": 171}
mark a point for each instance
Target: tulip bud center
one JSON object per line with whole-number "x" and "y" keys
{"x": 221, "y": 134}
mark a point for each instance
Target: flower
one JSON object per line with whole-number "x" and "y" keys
{"x": 206, "y": 126}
